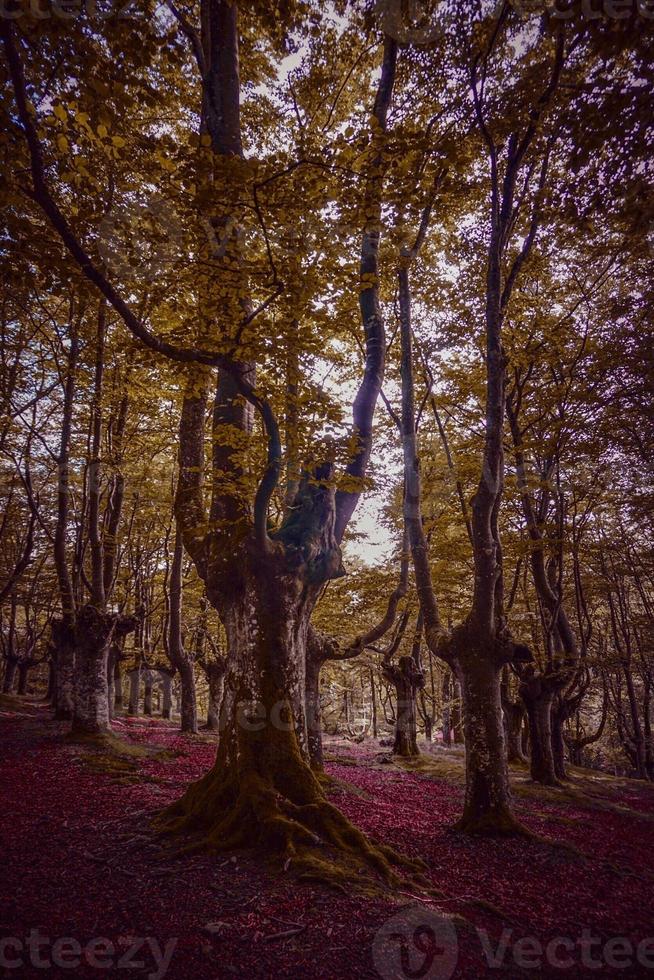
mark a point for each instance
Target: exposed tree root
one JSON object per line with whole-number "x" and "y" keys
{"x": 494, "y": 823}
{"x": 260, "y": 793}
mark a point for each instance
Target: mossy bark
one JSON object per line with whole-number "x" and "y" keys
{"x": 262, "y": 791}
{"x": 487, "y": 807}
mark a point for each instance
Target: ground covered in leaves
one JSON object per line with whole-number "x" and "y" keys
{"x": 78, "y": 860}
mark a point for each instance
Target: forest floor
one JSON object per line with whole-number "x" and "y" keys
{"x": 77, "y": 861}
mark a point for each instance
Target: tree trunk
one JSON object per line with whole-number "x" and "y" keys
{"x": 188, "y": 705}
{"x": 429, "y": 729}
{"x": 456, "y": 714}
{"x": 52, "y": 681}
{"x": 314, "y": 714}
{"x": 406, "y": 680}
{"x": 447, "y": 717}
{"x": 134, "y": 689}
{"x": 111, "y": 681}
{"x": 487, "y": 804}
{"x": 23, "y": 674}
{"x": 373, "y": 695}
{"x": 261, "y": 789}
{"x": 216, "y": 677}
{"x": 10, "y": 675}
{"x": 91, "y": 702}
{"x": 118, "y": 687}
{"x": 147, "y": 692}
{"x": 64, "y": 652}
{"x": 538, "y": 698}
{"x": 638, "y": 739}
{"x": 514, "y": 717}
{"x": 167, "y": 685}
{"x": 558, "y": 715}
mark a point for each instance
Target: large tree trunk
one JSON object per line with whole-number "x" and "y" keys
{"x": 63, "y": 645}
{"x": 262, "y": 790}
{"x": 538, "y": 697}
{"x": 93, "y": 633}
{"x": 487, "y": 804}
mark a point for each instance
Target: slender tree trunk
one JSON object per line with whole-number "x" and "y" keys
{"x": 447, "y": 715}
{"x": 147, "y": 691}
{"x": 216, "y": 678}
{"x": 10, "y": 675}
{"x": 23, "y": 676}
{"x": 313, "y": 710}
{"x": 52, "y": 681}
{"x": 373, "y": 697}
{"x": 514, "y": 717}
{"x": 406, "y": 680}
{"x": 118, "y": 687}
{"x": 558, "y": 715}
{"x": 638, "y": 737}
{"x": 167, "y": 687}
{"x": 176, "y": 652}
{"x": 457, "y": 714}
{"x": 429, "y": 729}
{"x": 134, "y": 690}
{"x": 188, "y": 703}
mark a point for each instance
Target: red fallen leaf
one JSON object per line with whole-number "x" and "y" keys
{"x": 54, "y": 810}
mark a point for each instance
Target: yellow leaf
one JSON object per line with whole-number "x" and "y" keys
{"x": 102, "y": 131}
{"x": 60, "y": 113}
{"x": 62, "y": 143}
